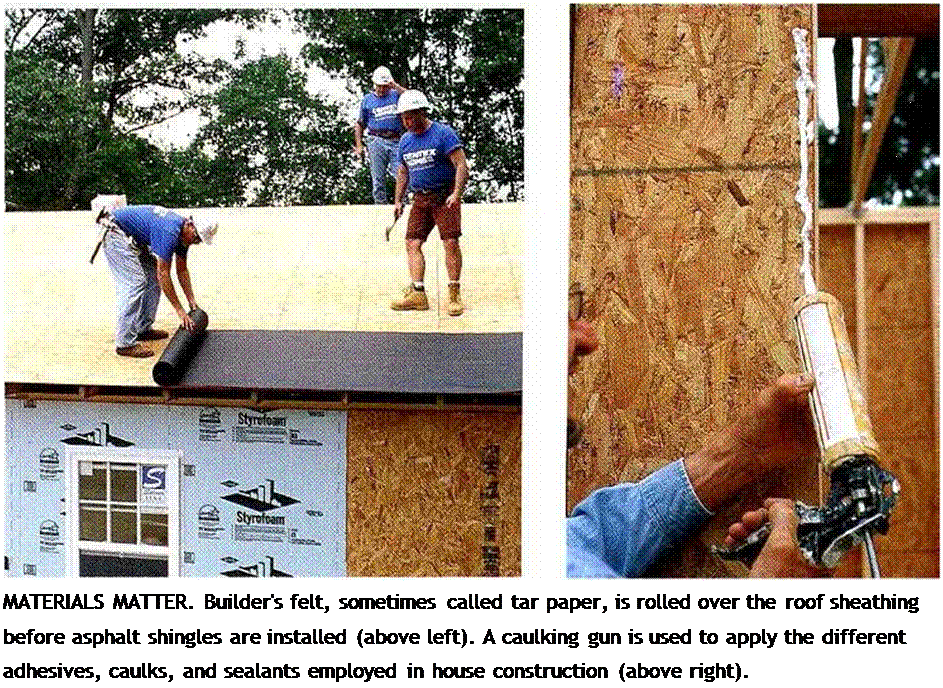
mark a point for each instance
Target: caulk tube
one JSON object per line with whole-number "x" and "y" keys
{"x": 839, "y": 410}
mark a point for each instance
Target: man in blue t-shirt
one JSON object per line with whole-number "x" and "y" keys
{"x": 619, "y": 531}
{"x": 380, "y": 124}
{"x": 432, "y": 162}
{"x": 140, "y": 243}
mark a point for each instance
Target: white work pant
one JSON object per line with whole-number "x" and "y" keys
{"x": 137, "y": 291}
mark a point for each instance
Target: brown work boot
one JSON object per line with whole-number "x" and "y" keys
{"x": 153, "y": 335}
{"x": 413, "y": 300}
{"x": 456, "y": 307}
{"x": 134, "y": 351}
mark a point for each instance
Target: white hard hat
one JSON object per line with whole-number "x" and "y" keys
{"x": 382, "y": 76}
{"x": 206, "y": 226}
{"x": 411, "y": 100}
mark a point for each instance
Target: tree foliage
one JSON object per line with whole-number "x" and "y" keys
{"x": 275, "y": 141}
{"x": 907, "y": 168}
{"x": 83, "y": 85}
{"x": 88, "y": 69}
{"x": 470, "y": 63}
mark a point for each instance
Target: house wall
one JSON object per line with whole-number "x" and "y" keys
{"x": 434, "y": 493}
{"x": 683, "y": 236}
{"x": 379, "y": 492}
{"x": 227, "y": 454}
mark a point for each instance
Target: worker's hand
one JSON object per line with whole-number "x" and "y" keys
{"x": 397, "y": 210}
{"x": 453, "y": 200}
{"x": 358, "y": 153}
{"x": 581, "y": 342}
{"x": 780, "y": 556}
{"x": 186, "y": 322}
{"x": 775, "y": 427}
{"x": 772, "y": 431}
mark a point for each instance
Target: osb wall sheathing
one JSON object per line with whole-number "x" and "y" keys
{"x": 684, "y": 237}
{"x": 433, "y": 493}
{"x": 900, "y": 388}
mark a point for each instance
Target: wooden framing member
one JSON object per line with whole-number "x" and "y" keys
{"x": 897, "y": 55}
{"x": 935, "y": 309}
{"x": 852, "y": 20}
{"x": 857, "y": 138}
{"x": 266, "y": 399}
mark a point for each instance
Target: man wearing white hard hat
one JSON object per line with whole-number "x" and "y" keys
{"x": 140, "y": 243}
{"x": 432, "y": 162}
{"x": 379, "y": 124}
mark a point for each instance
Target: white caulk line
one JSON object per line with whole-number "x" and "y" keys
{"x": 804, "y": 86}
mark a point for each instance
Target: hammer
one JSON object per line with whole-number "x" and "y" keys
{"x": 390, "y": 228}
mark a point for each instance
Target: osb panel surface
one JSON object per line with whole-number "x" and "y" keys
{"x": 900, "y": 374}
{"x": 684, "y": 231}
{"x": 420, "y": 498}
{"x": 898, "y": 286}
{"x": 324, "y": 268}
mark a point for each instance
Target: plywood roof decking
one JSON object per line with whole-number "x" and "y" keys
{"x": 320, "y": 268}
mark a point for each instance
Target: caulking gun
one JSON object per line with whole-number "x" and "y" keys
{"x": 861, "y": 493}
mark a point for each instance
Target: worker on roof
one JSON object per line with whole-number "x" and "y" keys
{"x": 380, "y": 123}
{"x": 140, "y": 242}
{"x": 432, "y": 162}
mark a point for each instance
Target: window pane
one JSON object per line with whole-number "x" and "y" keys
{"x": 124, "y": 482}
{"x": 91, "y": 525}
{"x": 91, "y": 480}
{"x": 124, "y": 526}
{"x": 154, "y": 529}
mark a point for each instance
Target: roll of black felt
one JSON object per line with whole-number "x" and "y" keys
{"x": 180, "y": 350}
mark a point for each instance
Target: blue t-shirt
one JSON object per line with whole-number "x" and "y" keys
{"x": 426, "y": 157}
{"x": 621, "y": 530}
{"x": 153, "y": 226}
{"x": 379, "y": 113}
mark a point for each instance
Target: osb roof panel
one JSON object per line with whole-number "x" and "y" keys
{"x": 305, "y": 268}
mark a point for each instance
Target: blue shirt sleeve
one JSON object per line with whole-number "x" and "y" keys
{"x": 450, "y": 141}
{"x": 620, "y": 531}
{"x": 364, "y": 112}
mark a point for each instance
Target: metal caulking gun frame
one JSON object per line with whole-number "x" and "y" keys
{"x": 861, "y": 493}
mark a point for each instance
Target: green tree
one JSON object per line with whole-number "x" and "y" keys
{"x": 275, "y": 143}
{"x": 49, "y": 122}
{"x": 112, "y": 58}
{"x": 468, "y": 62}
{"x": 908, "y": 166}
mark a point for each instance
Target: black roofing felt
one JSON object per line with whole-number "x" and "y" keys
{"x": 394, "y": 362}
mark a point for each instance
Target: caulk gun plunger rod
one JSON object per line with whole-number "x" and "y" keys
{"x": 873, "y": 566}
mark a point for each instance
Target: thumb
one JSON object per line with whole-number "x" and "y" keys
{"x": 782, "y": 520}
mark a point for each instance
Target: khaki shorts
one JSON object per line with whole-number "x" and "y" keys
{"x": 428, "y": 210}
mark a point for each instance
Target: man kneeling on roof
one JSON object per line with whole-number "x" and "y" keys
{"x": 140, "y": 242}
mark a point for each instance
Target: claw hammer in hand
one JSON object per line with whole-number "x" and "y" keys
{"x": 395, "y": 220}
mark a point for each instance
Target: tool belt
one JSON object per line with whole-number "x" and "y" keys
{"x": 390, "y": 134}
{"x": 109, "y": 224}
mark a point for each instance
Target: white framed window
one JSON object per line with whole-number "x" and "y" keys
{"x": 123, "y": 512}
